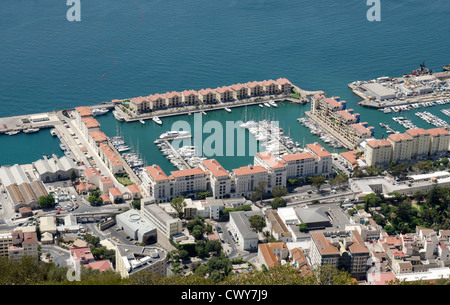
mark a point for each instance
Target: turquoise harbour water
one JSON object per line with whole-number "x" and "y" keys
{"x": 49, "y": 63}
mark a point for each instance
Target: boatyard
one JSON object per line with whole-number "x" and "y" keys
{"x": 419, "y": 88}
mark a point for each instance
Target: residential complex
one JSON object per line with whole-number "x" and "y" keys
{"x": 414, "y": 144}
{"x": 153, "y": 102}
{"x": 242, "y": 181}
{"x": 333, "y": 113}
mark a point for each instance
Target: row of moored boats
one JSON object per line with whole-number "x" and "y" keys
{"x": 414, "y": 106}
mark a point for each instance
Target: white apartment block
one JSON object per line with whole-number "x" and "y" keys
{"x": 416, "y": 143}
{"x": 183, "y": 182}
{"x": 378, "y": 152}
{"x": 402, "y": 147}
{"x": 165, "y": 223}
{"x": 220, "y": 179}
{"x": 248, "y": 177}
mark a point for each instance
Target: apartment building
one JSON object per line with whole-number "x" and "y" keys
{"x": 285, "y": 86}
{"x": 89, "y": 124}
{"x": 110, "y": 158}
{"x": 323, "y": 159}
{"x": 378, "y": 152}
{"x": 439, "y": 141}
{"x": 133, "y": 259}
{"x": 140, "y": 104}
{"x": 341, "y": 249}
{"x": 247, "y": 238}
{"x": 416, "y": 143}
{"x": 255, "y": 88}
{"x": 273, "y": 254}
{"x": 80, "y": 113}
{"x": 189, "y": 181}
{"x": 6, "y": 240}
{"x": 247, "y": 178}
{"x": 402, "y": 147}
{"x": 157, "y": 101}
{"x": 275, "y": 165}
{"x": 164, "y": 223}
{"x": 190, "y": 97}
{"x": 220, "y": 180}
{"x": 174, "y": 99}
{"x": 207, "y": 96}
{"x": 270, "y": 87}
{"x": 240, "y": 91}
{"x": 224, "y": 94}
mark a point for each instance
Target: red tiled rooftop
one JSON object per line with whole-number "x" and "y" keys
{"x": 295, "y": 157}
{"x": 350, "y": 156}
{"x": 139, "y": 100}
{"x": 400, "y": 137}
{"x": 249, "y": 170}
{"x": 189, "y": 92}
{"x": 238, "y": 87}
{"x": 90, "y": 122}
{"x": 271, "y": 160}
{"x": 91, "y": 172}
{"x": 361, "y": 129}
{"x": 207, "y": 91}
{"x": 284, "y": 81}
{"x": 318, "y": 150}
{"x": 134, "y": 189}
{"x": 269, "y": 82}
{"x": 378, "y": 143}
{"x": 215, "y": 168}
{"x": 83, "y": 111}
{"x": 172, "y": 94}
{"x": 346, "y": 115}
{"x": 115, "y": 192}
{"x": 156, "y": 172}
{"x": 438, "y": 131}
{"x": 253, "y": 84}
{"x": 98, "y": 136}
{"x": 332, "y": 102}
{"x": 223, "y": 89}
{"x": 155, "y": 97}
{"x": 188, "y": 172}
{"x": 417, "y": 131}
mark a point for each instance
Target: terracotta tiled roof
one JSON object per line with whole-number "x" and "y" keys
{"x": 295, "y": 157}
{"x": 317, "y": 149}
{"x": 378, "y": 143}
{"x": 188, "y": 172}
{"x": 215, "y": 168}
{"x": 249, "y": 170}
{"x": 156, "y": 172}
{"x": 400, "y": 137}
{"x": 83, "y": 111}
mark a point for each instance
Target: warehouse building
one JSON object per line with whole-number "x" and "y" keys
{"x": 379, "y": 91}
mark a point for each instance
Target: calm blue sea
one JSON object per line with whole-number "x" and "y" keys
{"x": 127, "y": 48}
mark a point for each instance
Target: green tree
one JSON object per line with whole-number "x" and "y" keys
{"x": 260, "y": 189}
{"x": 257, "y": 223}
{"x": 303, "y": 227}
{"x": 73, "y": 176}
{"x": 279, "y": 191}
{"x": 46, "y": 202}
{"x": 95, "y": 198}
{"x": 399, "y": 170}
{"x": 317, "y": 181}
{"x": 278, "y": 202}
{"x": 178, "y": 205}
